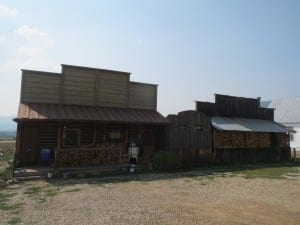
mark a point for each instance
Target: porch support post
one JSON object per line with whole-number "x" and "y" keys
{"x": 18, "y": 145}
{"x": 56, "y": 156}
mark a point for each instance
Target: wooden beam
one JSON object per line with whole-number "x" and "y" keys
{"x": 18, "y": 145}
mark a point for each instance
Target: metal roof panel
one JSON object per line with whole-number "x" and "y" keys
{"x": 246, "y": 125}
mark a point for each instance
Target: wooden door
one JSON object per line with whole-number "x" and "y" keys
{"x": 29, "y": 146}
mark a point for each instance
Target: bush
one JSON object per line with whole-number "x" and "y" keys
{"x": 166, "y": 161}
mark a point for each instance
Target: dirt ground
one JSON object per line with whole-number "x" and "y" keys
{"x": 177, "y": 198}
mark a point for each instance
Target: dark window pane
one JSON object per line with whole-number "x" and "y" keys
{"x": 71, "y": 138}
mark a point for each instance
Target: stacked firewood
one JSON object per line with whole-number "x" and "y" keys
{"x": 238, "y": 140}
{"x": 223, "y": 140}
{"x": 251, "y": 140}
{"x": 105, "y": 154}
{"x": 264, "y": 140}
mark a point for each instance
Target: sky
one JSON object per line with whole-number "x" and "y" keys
{"x": 191, "y": 49}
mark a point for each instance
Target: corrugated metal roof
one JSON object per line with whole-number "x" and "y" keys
{"x": 287, "y": 110}
{"x": 42, "y": 111}
{"x": 244, "y": 124}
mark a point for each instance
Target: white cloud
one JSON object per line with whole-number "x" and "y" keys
{"x": 30, "y": 51}
{"x": 35, "y": 36}
{"x": 8, "y": 12}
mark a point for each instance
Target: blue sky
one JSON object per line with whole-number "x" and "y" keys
{"x": 192, "y": 49}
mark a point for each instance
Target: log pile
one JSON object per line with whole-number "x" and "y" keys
{"x": 238, "y": 140}
{"x": 251, "y": 140}
{"x": 264, "y": 140}
{"x": 223, "y": 140}
{"x": 104, "y": 155}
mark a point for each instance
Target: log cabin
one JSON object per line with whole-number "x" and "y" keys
{"x": 233, "y": 129}
{"x": 85, "y": 117}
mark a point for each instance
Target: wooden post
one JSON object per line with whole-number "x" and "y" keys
{"x": 18, "y": 145}
{"x": 56, "y": 154}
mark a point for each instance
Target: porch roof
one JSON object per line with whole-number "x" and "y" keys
{"x": 245, "y": 124}
{"x": 56, "y": 112}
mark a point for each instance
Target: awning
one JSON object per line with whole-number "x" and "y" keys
{"x": 245, "y": 124}
{"x": 55, "y": 112}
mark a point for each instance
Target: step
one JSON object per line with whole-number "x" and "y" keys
{"x": 27, "y": 178}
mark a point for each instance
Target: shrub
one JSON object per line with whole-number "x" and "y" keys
{"x": 166, "y": 161}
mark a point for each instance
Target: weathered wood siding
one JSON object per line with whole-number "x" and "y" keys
{"x": 142, "y": 96}
{"x": 231, "y": 106}
{"x": 112, "y": 89}
{"x": 87, "y": 86}
{"x": 79, "y": 86}
{"x": 40, "y": 87}
{"x": 189, "y": 134}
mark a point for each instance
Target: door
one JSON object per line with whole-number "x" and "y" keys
{"x": 29, "y": 146}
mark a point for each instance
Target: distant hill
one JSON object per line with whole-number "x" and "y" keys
{"x": 7, "y": 127}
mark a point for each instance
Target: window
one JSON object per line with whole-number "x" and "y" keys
{"x": 71, "y": 138}
{"x": 115, "y": 136}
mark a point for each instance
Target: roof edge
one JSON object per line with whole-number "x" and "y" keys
{"x": 94, "y": 68}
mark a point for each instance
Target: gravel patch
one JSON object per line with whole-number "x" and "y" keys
{"x": 157, "y": 199}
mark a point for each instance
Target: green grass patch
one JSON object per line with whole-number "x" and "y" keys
{"x": 8, "y": 150}
{"x": 7, "y": 173}
{"x": 269, "y": 172}
{"x": 14, "y": 220}
{"x": 33, "y": 191}
{"x": 7, "y": 207}
{"x": 51, "y": 192}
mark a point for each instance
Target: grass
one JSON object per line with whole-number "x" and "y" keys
{"x": 14, "y": 220}
{"x": 33, "y": 191}
{"x": 270, "y": 173}
{"x": 40, "y": 193}
{"x": 7, "y": 148}
{"x": 13, "y": 207}
{"x": 51, "y": 192}
{"x": 4, "y": 199}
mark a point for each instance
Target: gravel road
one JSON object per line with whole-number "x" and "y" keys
{"x": 185, "y": 200}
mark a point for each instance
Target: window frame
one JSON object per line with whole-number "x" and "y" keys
{"x": 112, "y": 140}
{"x": 78, "y": 130}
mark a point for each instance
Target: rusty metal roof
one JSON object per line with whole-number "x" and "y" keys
{"x": 55, "y": 112}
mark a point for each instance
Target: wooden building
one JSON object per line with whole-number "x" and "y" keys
{"x": 233, "y": 129}
{"x": 85, "y": 117}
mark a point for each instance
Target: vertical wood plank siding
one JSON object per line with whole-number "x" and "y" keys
{"x": 40, "y": 87}
{"x": 142, "y": 96}
{"x": 92, "y": 87}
